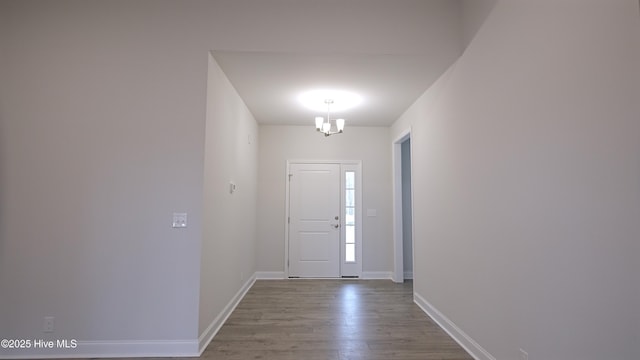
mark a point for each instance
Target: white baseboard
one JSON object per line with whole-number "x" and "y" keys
{"x": 113, "y": 349}
{"x": 471, "y": 346}
{"x": 376, "y": 275}
{"x": 143, "y": 348}
{"x": 213, "y": 328}
{"x": 270, "y": 275}
{"x": 150, "y": 348}
{"x": 408, "y": 274}
{"x": 280, "y": 275}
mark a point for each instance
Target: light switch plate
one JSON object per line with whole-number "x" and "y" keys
{"x": 372, "y": 212}
{"x": 179, "y": 220}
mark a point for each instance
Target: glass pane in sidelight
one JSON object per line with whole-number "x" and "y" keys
{"x": 350, "y": 216}
{"x": 350, "y": 253}
{"x": 350, "y": 180}
{"x": 350, "y": 198}
{"x": 350, "y": 234}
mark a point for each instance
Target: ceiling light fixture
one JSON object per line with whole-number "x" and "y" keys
{"x": 329, "y": 127}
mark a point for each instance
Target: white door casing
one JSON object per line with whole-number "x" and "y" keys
{"x": 398, "y": 239}
{"x": 314, "y": 220}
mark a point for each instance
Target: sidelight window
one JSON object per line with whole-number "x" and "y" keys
{"x": 350, "y": 219}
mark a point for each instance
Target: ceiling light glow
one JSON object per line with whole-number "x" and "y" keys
{"x": 342, "y": 100}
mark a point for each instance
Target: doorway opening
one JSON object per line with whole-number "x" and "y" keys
{"x": 323, "y": 229}
{"x": 402, "y": 209}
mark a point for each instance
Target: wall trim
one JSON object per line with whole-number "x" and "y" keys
{"x": 471, "y": 346}
{"x": 213, "y": 328}
{"x": 270, "y": 275}
{"x": 408, "y": 274}
{"x": 115, "y": 349}
{"x": 377, "y": 275}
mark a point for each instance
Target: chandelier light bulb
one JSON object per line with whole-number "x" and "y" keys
{"x": 326, "y": 125}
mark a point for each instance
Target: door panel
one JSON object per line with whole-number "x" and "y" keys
{"x": 314, "y": 239}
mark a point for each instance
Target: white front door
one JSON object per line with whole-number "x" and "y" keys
{"x": 314, "y": 225}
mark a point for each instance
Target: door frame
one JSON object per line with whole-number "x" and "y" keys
{"x": 398, "y": 237}
{"x": 345, "y": 165}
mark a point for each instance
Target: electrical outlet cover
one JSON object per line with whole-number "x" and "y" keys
{"x": 47, "y": 325}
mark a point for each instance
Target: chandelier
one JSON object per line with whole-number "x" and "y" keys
{"x": 329, "y": 127}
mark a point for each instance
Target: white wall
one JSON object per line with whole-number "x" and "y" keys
{"x": 281, "y": 143}
{"x": 102, "y": 130}
{"x": 3, "y": 160}
{"x": 526, "y": 169}
{"x": 229, "y": 220}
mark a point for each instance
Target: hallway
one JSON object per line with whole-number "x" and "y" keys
{"x": 331, "y": 319}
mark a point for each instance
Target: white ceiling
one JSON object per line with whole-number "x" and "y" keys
{"x": 270, "y": 83}
{"x": 389, "y": 52}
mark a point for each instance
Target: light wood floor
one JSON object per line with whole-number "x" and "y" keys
{"x": 331, "y": 319}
